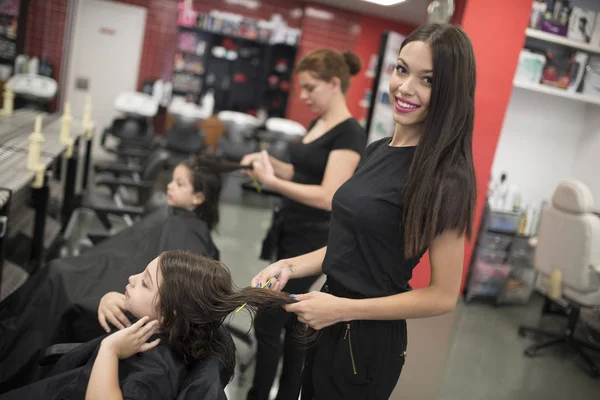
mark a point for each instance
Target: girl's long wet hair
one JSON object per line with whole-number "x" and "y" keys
{"x": 195, "y": 297}
{"x": 206, "y": 178}
{"x": 440, "y": 191}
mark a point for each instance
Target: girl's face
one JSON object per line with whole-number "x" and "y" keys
{"x": 410, "y": 84}
{"x": 180, "y": 191}
{"x": 316, "y": 93}
{"x": 141, "y": 294}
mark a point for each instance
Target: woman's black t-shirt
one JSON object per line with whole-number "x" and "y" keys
{"x": 365, "y": 250}
{"x": 309, "y": 161}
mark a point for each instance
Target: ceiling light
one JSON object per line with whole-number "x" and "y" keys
{"x": 386, "y": 2}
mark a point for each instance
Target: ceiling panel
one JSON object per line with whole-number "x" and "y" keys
{"x": 411, "y": 11}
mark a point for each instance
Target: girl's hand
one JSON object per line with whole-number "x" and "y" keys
{"x": 112, "y": 309}
{"x": 279, "y": 273}
{"x": 318, "y": 310}
{"x": 263, "y": 170}
{"x": 132, "y": 340}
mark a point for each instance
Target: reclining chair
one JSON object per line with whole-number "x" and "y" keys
{"x": 569, "y": 242}
{"x": 134, "y": 130}
{"x": 184, "y": 139}
{"x": 238, "y": 138}
{"x": 206, "y": 369}
{"x": 33, "y": 91}
{"x": 279, "y": 134}
{"x": 121, "y": 180}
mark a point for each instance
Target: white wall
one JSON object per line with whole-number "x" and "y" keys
{"x": 587, "y": 162}
{"x": 539, "y": 143}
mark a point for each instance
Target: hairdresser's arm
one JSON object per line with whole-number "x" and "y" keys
{"x": 104, "y": 381}
{"x": 341, "y": 164}
{"x": 446, "y": 255}
{"x": 297, "y": 267}
{"x": 282, "y": 169}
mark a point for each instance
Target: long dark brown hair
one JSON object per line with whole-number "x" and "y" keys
{"x": 440, "y": 191}
{"x": 206, "y": 178}
{"x": 195, "y": 297}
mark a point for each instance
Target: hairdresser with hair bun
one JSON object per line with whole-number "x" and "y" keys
{"x": 412, "y": 192}
{"x": 321, "y": 162}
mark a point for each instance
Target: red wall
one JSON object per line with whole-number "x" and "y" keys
{"x": 497, "y": 47}
{"x": 45, "y": 30}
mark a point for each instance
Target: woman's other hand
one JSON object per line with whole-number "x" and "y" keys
{"x": 249, "y": 160}
{"x": 317, "y": 309}
{"x": 263, "y": 170}
{"x": 132, "y": 340}
{"x": 112, "y": 309}
{"x": 278, "y": 273}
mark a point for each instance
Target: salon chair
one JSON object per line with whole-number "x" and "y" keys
{"x": 569, "y": 242}
{"x": 279, "y": 133}
{"x": 133, "y": 130}
{"x": 54, "y": 352}
{"x": 34, "y": 92}
{"x": 120, "y": 190}
{"x": 184, "y": 139}
{"x": 239, "y": 137}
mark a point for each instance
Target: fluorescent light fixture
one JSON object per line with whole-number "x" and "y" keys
{"x": 251, "y": 4}
{"x": 318, "y": 14}
{"x": 386, "y": 2}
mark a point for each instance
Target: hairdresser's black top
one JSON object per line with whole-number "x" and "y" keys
{"x": 365, "y": 251}
{"x": 310, "y": 160}
{"x": 154, "y": 375}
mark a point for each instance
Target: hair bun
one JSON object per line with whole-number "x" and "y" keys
{"x": 353, "y": 61}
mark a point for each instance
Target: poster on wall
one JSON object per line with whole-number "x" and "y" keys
{"x": 380, "y": 122}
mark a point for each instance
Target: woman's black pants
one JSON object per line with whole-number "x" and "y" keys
{"x": 354, "y": 360}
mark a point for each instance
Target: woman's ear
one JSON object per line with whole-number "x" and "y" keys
{"x": 336, "y": 82}
{"x": 198, "y": 198}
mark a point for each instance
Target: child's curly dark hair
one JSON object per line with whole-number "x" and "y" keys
{"x": 196, "y": 295}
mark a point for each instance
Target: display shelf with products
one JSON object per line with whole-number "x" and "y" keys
{"x": 561, "y": 56}
{"x": 13, "y": 15}
{"x": 561, "y": 40}
{"x": 537, "y": 87}
{"x": 501, "y": 266}
{"x": 244, "y": 74}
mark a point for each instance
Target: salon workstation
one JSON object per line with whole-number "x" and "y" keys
{"x": 207, "y": 199}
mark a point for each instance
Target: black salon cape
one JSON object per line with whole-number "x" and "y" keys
{"x": 60, "y": 303}
{"x": 156, "y": 374}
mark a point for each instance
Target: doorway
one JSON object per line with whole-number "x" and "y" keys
{"x": 104, "y": 57}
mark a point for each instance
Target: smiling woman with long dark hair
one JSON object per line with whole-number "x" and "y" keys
{"x": 411, "y": 193}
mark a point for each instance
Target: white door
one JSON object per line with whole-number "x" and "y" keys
{"x": 105, "y": 57}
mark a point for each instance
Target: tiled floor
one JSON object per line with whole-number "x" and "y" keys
{"x": 473, "y": 354}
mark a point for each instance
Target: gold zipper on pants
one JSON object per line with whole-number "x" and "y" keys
{"x": 349, "y": 335}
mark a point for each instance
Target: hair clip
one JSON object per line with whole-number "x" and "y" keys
{"x": 267, "y": 285}
{"x": 256, "y": 184}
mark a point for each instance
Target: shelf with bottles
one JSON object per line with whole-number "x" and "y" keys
{"x": 561, "y": 40}
{"x": 273, "y": 31}
{"x": 562, "y": 52}
{"x": 563, "y": 22}
{"x": 538, "y": 87}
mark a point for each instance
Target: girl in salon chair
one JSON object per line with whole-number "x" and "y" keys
{"x": 181, "y": 300}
